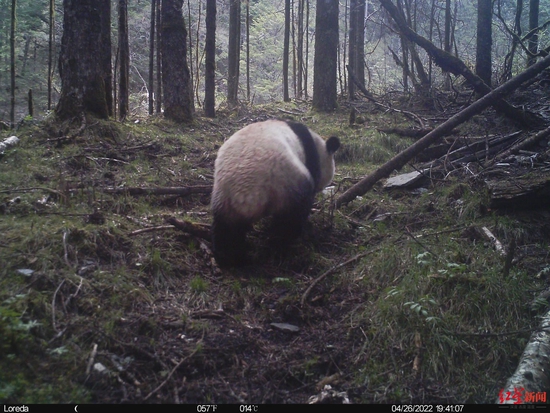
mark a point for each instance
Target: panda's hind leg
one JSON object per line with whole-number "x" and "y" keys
{"x": 289, "y": 224}
{"x": 229, "y": 242}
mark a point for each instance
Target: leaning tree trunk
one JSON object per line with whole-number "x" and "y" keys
{"x": 452, "y": 64}
{"x": 176, "y": 81}
{"x": 82, "y": 59}
{"x": 326, "y": 56}
{"x": 399, "y": 160}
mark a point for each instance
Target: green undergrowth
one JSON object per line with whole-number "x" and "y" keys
{"x": 417, "y": 307}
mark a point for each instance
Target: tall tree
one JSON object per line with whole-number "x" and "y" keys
{"x": 447, "y": 39}
{"x": 12, "y": 65}
{"x": 234, "y": 48}
{"x": 178, "y": 91}
{"x": 533, "y": 44}
{"x": 124, "y": 58}
{"x": 484, "y": 40}
{"x": 356, "y": 53}
{"x": 83, "y": 57}
{"x": 106, "y": 55}
{"x": 326, "y": 56}
{"x": 300, "y": 50}
{"x": 210, "y": 60}
{"x": 158, "y": 94}
{"x": 51, "y": 45}
{"x": 248, "y": 50}
{"x": 151, "y": 85}
{"x": 286, "y": 44}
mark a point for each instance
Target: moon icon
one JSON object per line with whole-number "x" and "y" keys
{"x": 75, "y": 408}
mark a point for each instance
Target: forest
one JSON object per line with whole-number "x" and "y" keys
{"x": 422, "y": 274}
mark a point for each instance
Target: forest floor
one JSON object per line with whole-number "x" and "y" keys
{"x": 103, "y": 301}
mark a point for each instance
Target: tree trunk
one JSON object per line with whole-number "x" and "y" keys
{"x": 360, "y": 69}
{"x": 152, "y": 58}
{"x": 210, "y": 60}
{"x": 124, "y": 59}
{"x": 509, "y": 59}
{"x": 533, "y": 44}
{"x": 178, "y": 96}
{"x": 531, "y": 375}
{"x": 51, "y": 45}
{"x": 248, "y": 50}
{"x": 106, "y": 55}
{"x": 398, "y": 161}
{"x": 484, "y": 40}
{"x": 286, "y": 44}
{"x": 447, "y": 39}
{"x": 12, "y": 65}
{"x": 326, "y": 56}
{"x": 306, "y": 63}
{"x": 352, "y": 45}
{"x": 158, "y": 94}
{"x": 85, "y": 85}
{"x": 233, "y": 53}
{"x": 299, "y": 87}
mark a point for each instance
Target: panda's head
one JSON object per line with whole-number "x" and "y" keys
{"x": 326, "y": 161}
{"x": 319, "y": 154}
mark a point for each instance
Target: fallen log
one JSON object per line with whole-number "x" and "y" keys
{"x": 398, "y": 161}
{"x": 536, "y": 138}
{"x": 530, "y": 378}
{"x": 6, "y": 143}
{"x": 529, "y": 191}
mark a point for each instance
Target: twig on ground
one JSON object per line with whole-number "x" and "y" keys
{"x": 333, "y": 269}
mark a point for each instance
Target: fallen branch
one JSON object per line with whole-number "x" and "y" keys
{"x": 91, "y": 359}
{"x": 151, "y": 229}
{"x": 197, "y": 348}
{"x": 401, "y": 159}
{"x": 331, "y": 270}
{"x": 498, "y": 245}
{"x": 519, "y": 146}
{"x": 185, "y": 190}
{"x": 198, "y": 230}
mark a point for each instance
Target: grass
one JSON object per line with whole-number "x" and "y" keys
{"x": 425, "y": 316}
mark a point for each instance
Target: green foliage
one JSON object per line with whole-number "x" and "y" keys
{"x": 13, "y": 329}
{"x": 198, "y": 285}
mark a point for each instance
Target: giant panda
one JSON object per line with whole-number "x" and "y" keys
{"x": 271, "y": 168}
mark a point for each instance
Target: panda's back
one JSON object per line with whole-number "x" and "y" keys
{"x": 259, "y": 171}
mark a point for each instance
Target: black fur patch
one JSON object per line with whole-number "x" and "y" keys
{"x": 312, "y": 156}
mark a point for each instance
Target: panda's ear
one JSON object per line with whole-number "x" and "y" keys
{"x": 332, "y": 144}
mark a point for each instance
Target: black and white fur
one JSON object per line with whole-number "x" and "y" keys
{"x": 272, "y": 168}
